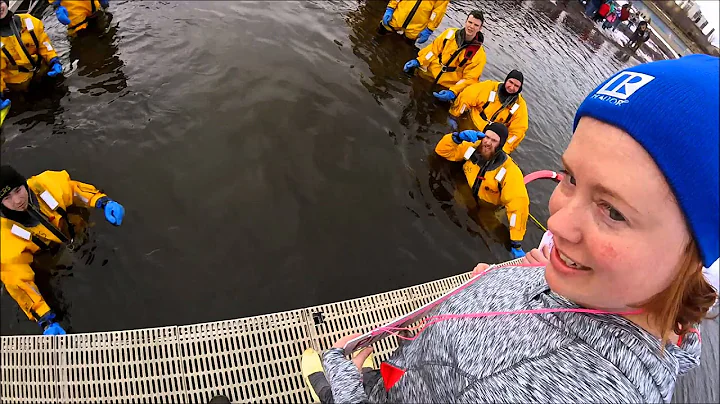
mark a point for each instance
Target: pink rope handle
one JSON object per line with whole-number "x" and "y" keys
{"x": 691, "y": 331}
{"x": 380, "y": 330}
{"x": 444, "y": 317}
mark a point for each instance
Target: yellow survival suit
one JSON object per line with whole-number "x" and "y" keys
{"x": 485, "y": 106}
{"x": 451, "y": 61}
{"x": 52, "y": 192}
{"x": 80, "y": 13}
{"x": 25, "y": 46}
{"x": 413, "y": 16}
{"x": 498, "y": 182}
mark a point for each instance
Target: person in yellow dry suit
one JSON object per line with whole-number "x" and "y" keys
{"x": 26, "y": 49}
{"x": 414, "y": 19}
{"x": 32, "y": 214}
{"x": 493, "y": 101}
{"x": 78, "y": 14}
{"x": 492, "y": 174}
{"x": 455, "y": 59}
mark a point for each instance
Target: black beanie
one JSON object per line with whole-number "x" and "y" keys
{"x": 501, "y": 130}
{"x": 9, "y": 180}
{"x": 516, "y": 74}
{"x": 6, "y": 21}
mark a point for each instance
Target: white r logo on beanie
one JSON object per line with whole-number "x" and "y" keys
{"x": 624, "y": 84}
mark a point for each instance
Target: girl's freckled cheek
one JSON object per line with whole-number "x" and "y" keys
{"x": 608, "y": 252}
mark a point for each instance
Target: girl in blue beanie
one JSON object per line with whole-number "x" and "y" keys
{"x": 611, "y": 317}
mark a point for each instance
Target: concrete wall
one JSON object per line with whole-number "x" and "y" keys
{"x": 687, "y": 29}
{"x": 27, "y": 6}
{"x": 663, "y": 28}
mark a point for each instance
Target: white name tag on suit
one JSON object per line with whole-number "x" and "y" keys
{"x": 49, "y": 200}
{"x": 20, "y": 232}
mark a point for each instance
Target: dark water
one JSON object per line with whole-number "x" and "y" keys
{"x": 272, "y": 155}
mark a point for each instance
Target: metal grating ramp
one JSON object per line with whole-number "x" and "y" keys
{"x": 254, "y": 359}
{"x": 120, "y": 367}
{"x": 29, "y": 370}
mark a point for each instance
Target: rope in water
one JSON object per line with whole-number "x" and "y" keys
{"x": 537, "y": 222}
{"x": 539, "y": 175}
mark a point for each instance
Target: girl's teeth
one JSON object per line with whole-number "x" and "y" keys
{"x": 568, "y": 261}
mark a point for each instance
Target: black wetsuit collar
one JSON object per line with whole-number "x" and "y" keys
{"x": 460, "y": 38}
{"x": 5, "y": 24}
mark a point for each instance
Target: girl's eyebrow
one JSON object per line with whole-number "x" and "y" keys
{"x": 603, "y": 189}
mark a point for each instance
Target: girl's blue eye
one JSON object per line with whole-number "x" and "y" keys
{"x": 613, "y": 214}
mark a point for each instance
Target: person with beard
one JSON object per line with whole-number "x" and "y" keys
{"x": 455, "y": 59}
{"x": 414, "y": 19}
{"x": 78, "y": 14}
{"x": 33, "y": 218}
{"x": 25, "y": 49}
{"x": 492, "y": 174}
{"x": 493, "y": 101}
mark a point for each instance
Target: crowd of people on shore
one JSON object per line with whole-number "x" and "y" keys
{"x": 612, "y": 15}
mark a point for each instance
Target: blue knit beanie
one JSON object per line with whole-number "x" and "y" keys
{"x": 671, "y": 108}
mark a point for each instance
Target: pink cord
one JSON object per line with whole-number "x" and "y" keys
{"x": 436, "y": 319}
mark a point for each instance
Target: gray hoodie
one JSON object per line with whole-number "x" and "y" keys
{"x": 556, "y": 357}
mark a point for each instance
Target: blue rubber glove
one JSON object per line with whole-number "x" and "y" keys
{"x": 55, "y": 67}
{"x": 4, "y": 103}
{"x": 517, "y": 253}
{"x": 409, "y": 66}
{"x": 387, "y": 16}
{"x": 445, "y": 95}
{"x": 453, "y": 124}
{"x": 54, "y": 329}
{"x": 49, "y": 326}
{"x": 424, "y": 35}
{"x": 516, "y": 250}
{"x": 104, "y": 3}
{"x": 62, "y": 15}
{"x": 469, "y": 135}
{"x": 114, "y": 212}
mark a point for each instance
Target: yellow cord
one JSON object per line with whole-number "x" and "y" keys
{"x": 4, "y": 113}
{"x": 537, "y": 222}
